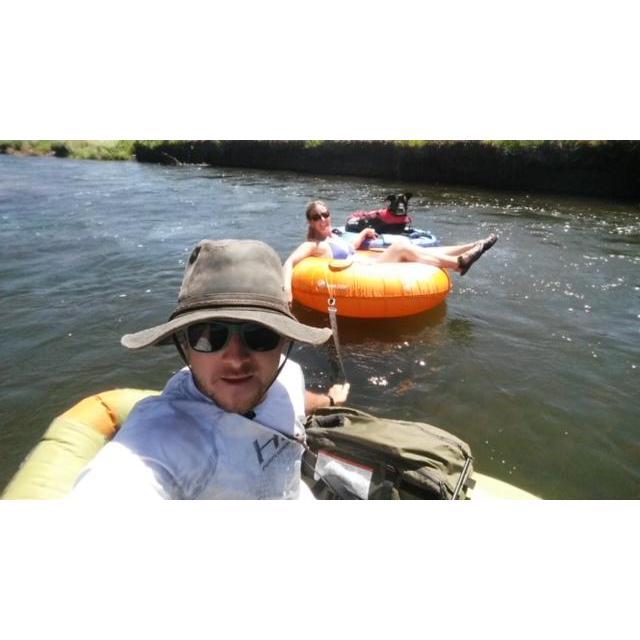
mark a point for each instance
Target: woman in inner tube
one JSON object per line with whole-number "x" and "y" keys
{"x": 323, "y": 243}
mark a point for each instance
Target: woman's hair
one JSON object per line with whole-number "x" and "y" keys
{"x": 312, "y": 236}
{"x": 313, "y": 205}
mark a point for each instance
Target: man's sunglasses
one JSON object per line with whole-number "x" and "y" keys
{"x": 316, "y": 216}
{"x": 209, "y": 337}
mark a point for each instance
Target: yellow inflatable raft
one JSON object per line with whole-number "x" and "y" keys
{"x": 363, "y": 288}
{"x": 77, "y": 435}
{"x": 70, "y": 442}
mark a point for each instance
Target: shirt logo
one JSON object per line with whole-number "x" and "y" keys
{"x": 270, "y": 449}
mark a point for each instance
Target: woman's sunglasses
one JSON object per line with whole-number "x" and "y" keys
{"x": 316, "y": 216}
{"x": 209, "y": 337}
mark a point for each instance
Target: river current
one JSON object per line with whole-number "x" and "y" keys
{"x": 534, "y": 359}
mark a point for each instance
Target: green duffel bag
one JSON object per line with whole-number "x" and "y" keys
{"x": 354, "y": 455}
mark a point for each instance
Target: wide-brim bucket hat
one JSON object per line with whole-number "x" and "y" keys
{"x": 231, "y": 280}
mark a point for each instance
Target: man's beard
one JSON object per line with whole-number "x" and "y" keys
{"x": 253, "y": 401}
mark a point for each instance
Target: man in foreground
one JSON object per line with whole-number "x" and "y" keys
{"x": 228, "y": 425}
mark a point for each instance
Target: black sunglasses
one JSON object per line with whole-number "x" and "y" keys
{"x": 316, "y": 216}
{"x": 209, "y": 337}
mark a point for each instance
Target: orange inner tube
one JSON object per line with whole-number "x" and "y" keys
{"x": 366, "y": 289}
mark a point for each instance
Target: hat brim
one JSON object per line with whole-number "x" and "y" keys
{"x": 286, "y": 326}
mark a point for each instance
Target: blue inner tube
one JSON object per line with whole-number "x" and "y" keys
{"x": 419, "y": 237}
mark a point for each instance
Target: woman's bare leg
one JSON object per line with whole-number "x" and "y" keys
{"x": 451, "y": 250}
{"x": 456, "y": 257}
{"x": 408, "y": 253}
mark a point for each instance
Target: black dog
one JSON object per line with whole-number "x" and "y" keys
{"x": 398, "y": 203}
{"x": 392, "y": 219}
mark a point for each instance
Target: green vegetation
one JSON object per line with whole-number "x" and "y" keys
{"x": 605, "y": 168}
{"x": 81, "y": 149}
{"x": 126, "y": 149}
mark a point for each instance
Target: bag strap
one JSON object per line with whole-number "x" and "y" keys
{"x": 464, "y": 475}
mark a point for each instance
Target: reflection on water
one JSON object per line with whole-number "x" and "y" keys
{"x": 534, "y": 359}
{"x": 378, "y": 330}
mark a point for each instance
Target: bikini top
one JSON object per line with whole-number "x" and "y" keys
{"x": 340, "y": 249}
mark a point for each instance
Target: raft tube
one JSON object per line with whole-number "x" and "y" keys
{"x": 76, "y": 436}
{"x": 367, "y": 289}
{"x": 419, "y": 237}
{"x": 70, "y": 442}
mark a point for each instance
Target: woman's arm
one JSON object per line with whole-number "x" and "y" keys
{"x": 365, "y": 234}
{"x": 303, "y": 251}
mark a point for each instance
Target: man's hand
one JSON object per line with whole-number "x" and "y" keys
{"x": 339, "y": 393}
{"x": 314, "y": 401}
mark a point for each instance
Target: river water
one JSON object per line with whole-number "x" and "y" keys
{"x": 534, "y": 359}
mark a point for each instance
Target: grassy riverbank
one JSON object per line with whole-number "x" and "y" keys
{"x": 609, "y": 169}
{"x": 81, "y": 149}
